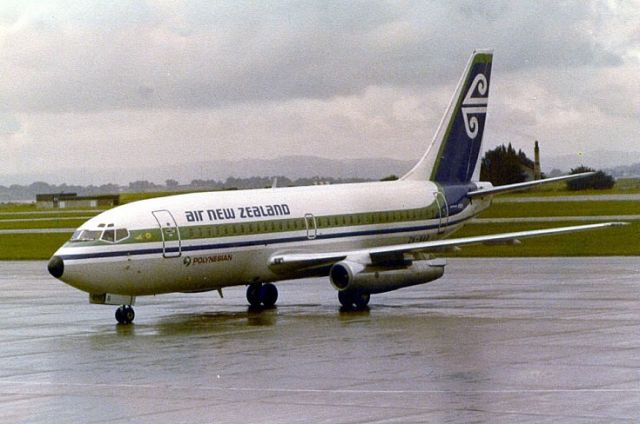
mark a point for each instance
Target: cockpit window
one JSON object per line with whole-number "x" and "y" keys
{"x": 109, "y": 235}
{"x": 121, "y": 234}
{"x": 86, "y": 235}
{"x": 114, "y": 236}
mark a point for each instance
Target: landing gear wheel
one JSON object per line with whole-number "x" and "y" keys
{"x": 268, "y": 295}
{"x": 350, "y": 299}
{"x": 361, "y": 300}
{"x": 253, "y": 294}
{"x": 345, "y": 299}
{"x": 125, "y": 314}
{"x": 259, "y": 294}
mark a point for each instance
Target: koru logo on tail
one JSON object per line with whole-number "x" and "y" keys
{"x": 475, "y": 103}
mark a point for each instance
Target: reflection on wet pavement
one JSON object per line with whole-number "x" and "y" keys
{"x": 495, "y": 340}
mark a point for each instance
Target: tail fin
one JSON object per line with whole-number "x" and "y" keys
{"x": 453, "y": 155}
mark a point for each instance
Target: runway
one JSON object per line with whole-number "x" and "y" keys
{"x": 494, "y": 340}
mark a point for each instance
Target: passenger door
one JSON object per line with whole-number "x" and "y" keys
{"x": 312, "y": 228}
{"x": 171, "y": 245}
{"x": 443, "y": 211}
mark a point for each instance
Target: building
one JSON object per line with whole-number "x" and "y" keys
{"x": 531, "y": 170}
{"x": 72, "y": 200}
{"x": 537, "y": 174}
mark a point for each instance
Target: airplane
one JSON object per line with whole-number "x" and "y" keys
{"x": 368, "y": 238}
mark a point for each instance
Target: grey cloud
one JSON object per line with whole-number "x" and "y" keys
{"x": 203, "y": 55}
{"x": 9, "y": 124}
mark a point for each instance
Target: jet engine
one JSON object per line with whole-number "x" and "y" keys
{"x": 354, "y": 276}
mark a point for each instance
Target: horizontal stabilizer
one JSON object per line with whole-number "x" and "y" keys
{"x": 525, "y": 185}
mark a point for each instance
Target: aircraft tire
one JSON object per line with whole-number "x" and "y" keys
{"x": 351, "y": 300}
{"x": 125, "y": 314}
{"x": 253, "y": 294}
{"x": 268, "y": 295}
{"x": 345, "y": 298}
{"x": 361, "y": 300}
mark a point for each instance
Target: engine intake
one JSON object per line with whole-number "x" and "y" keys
{"x": 348, "y": 275}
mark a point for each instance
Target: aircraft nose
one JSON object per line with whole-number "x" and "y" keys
{"x": 56, "y": 266}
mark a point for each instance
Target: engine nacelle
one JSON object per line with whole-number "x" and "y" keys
{"x": 348, "y": 275}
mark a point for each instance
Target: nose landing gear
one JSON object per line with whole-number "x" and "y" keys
{"x": 125, "y": 314}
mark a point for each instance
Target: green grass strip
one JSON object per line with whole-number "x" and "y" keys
{"x": 617, "y": 241}
{"x": 30, "y": 225}
{"x": 30, "y": 246}
{"x": 539, "y": 209}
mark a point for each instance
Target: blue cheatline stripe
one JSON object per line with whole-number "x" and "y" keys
{"x": 248, "y": 243}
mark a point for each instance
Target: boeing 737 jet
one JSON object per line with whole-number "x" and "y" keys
{"x": 367, "y": 238}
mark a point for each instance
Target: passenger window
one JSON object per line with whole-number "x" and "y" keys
{"x": 109, "y": 235}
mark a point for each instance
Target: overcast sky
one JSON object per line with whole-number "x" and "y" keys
{"x": 94, "y": 84}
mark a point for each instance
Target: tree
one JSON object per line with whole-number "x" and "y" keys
{"x": 503, "y": 165}
{"x": 597, "y": 181}
{"x": 171, "y": 183}
{"x": 142, "y": 186}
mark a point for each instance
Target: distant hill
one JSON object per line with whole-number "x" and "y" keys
{"x": 289, "y": 166}
{"x": 601, "y": 159}
{"x": 292, "y": 167}
{"x": 626, "y": 171}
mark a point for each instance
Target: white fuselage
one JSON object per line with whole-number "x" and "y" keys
{"x": 205, "y": 241}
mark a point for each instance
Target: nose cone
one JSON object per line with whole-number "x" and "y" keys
{"x": 56, "y": 266}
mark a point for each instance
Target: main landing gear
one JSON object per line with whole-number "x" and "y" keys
{"x": 264, "y": 295}
{"x": 125, "y": 314}
{"x": 353, "y": 299}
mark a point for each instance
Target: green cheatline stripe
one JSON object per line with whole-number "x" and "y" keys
{"x": 213, "y": 230}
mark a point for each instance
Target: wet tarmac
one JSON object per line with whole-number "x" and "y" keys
{"x": 494, "y": 340}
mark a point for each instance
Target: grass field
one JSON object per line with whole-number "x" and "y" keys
{"x": 608, "y": 242}
{"x": 49, "y": 223}
{"x": 617, "y": 241}
{"x": 30, "y": 246}
{"x": 540, "y": 209}
{"x": 622, "y": 186}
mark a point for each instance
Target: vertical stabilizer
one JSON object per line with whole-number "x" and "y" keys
{"x": 453, "y": 155}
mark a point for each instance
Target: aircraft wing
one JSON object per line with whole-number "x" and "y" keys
{"x": 525, "y": 185}
{"x": 301, "y": 261}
